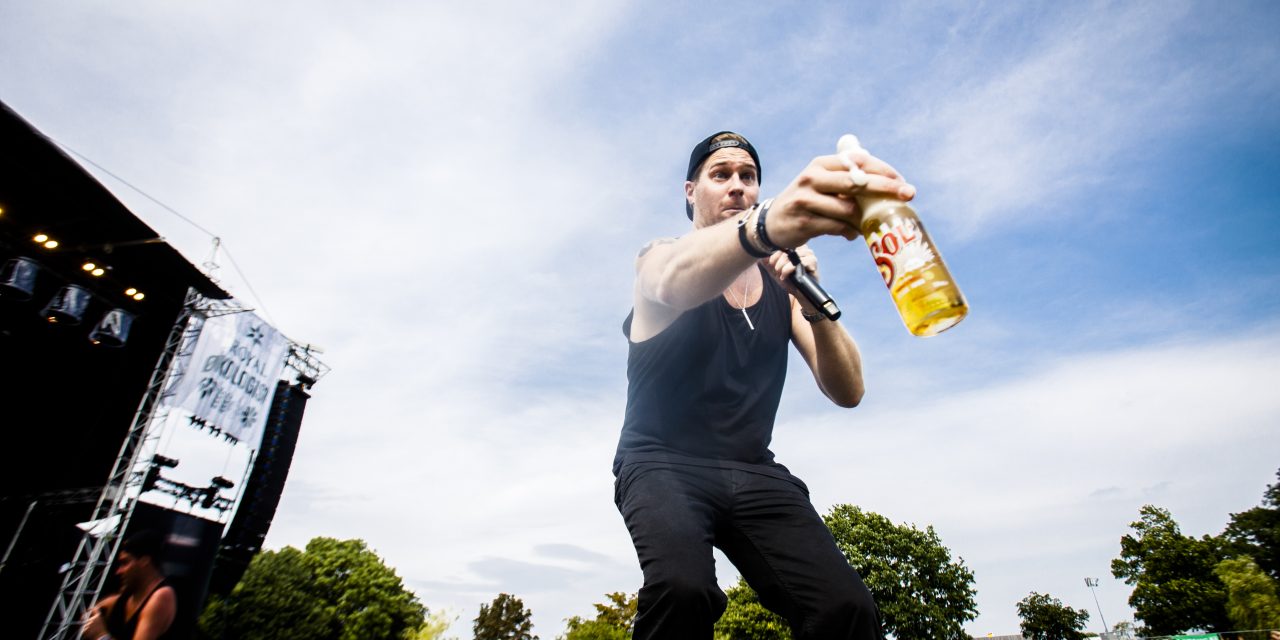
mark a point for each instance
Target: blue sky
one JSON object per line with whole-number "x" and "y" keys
{"x": 448, "y": 198}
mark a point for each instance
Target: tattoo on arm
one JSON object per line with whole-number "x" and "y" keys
{"x": 653, "y": 244}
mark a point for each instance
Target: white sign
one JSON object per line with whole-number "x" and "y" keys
{"x": 230, "y": 377}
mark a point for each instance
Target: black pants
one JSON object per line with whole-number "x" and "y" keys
{"x": 765, "y": 525}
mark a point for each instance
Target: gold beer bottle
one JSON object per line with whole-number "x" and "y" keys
{"x": 918, "y": 280}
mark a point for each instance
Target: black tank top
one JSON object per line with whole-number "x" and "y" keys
{"x": 122, "y": 628}
{"x": 705, "y": 391}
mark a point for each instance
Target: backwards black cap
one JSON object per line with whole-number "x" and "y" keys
{"x": 707, "y": 147}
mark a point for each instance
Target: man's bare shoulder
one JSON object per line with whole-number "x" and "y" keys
{"x": 653, "y": 243}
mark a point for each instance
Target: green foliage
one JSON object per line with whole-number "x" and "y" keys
{"x": 335, "y": 590}
{"x": 1256, "y": 532}
{"x": 579, "y": 629}
{"x": 1175, "y": 588}
{"x": 504, "y": 619}
{"x": 1251, "y": 594}
{"x": 746, "y": 619}
{"x": 614, "y": 620}
{"x": 921, "y": 592}
{"x": 433, "y": 627}
{"x": 1046, "y": 618}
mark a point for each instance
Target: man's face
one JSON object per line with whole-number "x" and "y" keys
{"x": 129, "y": 569}
{"x": 727, "y": 185}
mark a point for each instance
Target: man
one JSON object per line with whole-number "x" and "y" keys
{"x": 713, "y": 313}
{"x": 146, "y": 605}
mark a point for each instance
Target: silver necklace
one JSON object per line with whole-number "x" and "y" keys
{"x": 746, "y": 291}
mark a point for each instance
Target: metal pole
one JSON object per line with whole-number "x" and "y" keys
{"x": 14, "y": 540}
{"x": 1093, "y": 582}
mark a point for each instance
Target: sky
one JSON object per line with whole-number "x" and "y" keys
{"x": 447, "y": 198}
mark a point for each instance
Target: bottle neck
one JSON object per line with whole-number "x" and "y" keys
{"x": 877, "y": 208}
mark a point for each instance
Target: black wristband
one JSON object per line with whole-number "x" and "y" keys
{"x": 745, "y": 241}
{"x": 816, "y": 316}
{"x": 761, "y": 233}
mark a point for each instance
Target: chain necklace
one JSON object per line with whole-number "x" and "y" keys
{"x": 746, "y": 293}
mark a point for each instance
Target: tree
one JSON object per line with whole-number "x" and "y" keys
{"x": 1046, "y": 618}
{"x": 746, "y": 619}
{"x": 1123, "y": 629}
{"x": 433, "y": 627}
{"x": 613, "y": 621}
{"x": 1251, "y": 594}
{"x": 1174, "y": 585}
{"x": 334, "y": 590}
{"x": 504, "y": 619}
{"x": 921, "y": 592}
{"x": 1256, "y": 532}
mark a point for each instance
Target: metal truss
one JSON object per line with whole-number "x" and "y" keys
{"x": 83, "y": 581}
{"x": 87, "y": 573}
{"x": 303, "y": 358}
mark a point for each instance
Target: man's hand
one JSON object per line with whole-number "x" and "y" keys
{"x": 95, "y": 624}
{"x": 780, "y": 266}
{"x": 820, "y": 201}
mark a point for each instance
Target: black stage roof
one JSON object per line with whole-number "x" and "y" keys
{"x": 46, "y": 191}
{"x": 66, "y": 403}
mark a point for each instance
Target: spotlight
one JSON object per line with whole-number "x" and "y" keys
{"x": 67, "y": 306}
{"x": 139, "y": 296}
{"x": 98, "y": 272}
{"x": 40, "y": 237}
{"x": 113, "y": 329}
{"x": 88, "y": 266}
{"x": 18, "y": 279}
{"x": 44, "y": 239}
{"x": 163, "y": 461}
{"x": 130, "y": 291}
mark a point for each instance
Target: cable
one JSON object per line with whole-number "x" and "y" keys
{"x": 261, "y": 304}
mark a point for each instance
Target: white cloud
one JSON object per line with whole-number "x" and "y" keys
{"x": 1017, "y": 136}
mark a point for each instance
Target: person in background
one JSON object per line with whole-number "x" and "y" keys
{"x": 146, "y": 605}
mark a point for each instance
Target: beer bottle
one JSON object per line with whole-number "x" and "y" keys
{"x": 918, "y": 280}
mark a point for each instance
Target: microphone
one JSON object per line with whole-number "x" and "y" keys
{"x": 811, "y": 290}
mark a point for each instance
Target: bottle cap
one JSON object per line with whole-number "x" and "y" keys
{"x": 848, "y": 143}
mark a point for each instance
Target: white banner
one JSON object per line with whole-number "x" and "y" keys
{"x": 230, "y": 376}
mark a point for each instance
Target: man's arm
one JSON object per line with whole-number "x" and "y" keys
{"x": 828, "y": 349}
{"x": 675, "y": 276}
{"x": 157, "y": 615}
{"x": 95, "y": 621}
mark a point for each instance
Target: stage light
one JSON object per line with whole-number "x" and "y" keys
{"x": 130, "y": 291}
{"x": 18, "y": 279}
{"x": 67, "y": 306}
{"x": 139, "y": 296}
{"x": 112, "y": 329}
{"x": 164, "y": 461}
{"x": 40, "y": 237}
{"x": 94, "y": 269}
{"x": 49, "y": 243}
